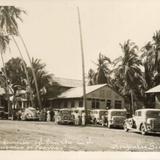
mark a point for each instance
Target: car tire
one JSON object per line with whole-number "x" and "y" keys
{"x": 23, "y": 118}
{"x": 142, "y": 129}
{"x": 125, "y": 127}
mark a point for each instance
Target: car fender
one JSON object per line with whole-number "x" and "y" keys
{"x": 139, "y": 127}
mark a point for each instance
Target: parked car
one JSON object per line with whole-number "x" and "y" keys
{"x": 97, "y": 116}
{"x": 144, "y": 121}
{"x": 64, "y": 116}
{"x": 116, "y": 117}
{"x": 29, "y": 113}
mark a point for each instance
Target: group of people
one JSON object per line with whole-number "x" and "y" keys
{"x": 79, "y": 117}
{"x": 46, "y": 115}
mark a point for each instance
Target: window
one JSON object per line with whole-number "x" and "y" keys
{"x": 118, "y": 104}
{"x": 65, "y": 104}
{"x": 95, "y": 103}
{"x": 139, "y": 114}
{"x": 72, "y": 104}
{"x": 108, "y": 104}
{"x": 80, "y": 103}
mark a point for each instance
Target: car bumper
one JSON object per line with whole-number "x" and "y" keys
{"x": 65, "y": 122}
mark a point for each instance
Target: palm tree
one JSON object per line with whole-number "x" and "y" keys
{"x": 128, "y": 70}
{"x": 43, "y": 78}
{"x": 91, "y": 77}
{"x": 102, "y": 74}
{"x": 148, "y": 61}
{"x": 156, "y": 45}
{"x": 4, "y": 42}
{"x": 26, "y": 72}
{"x": 8, "y": 22}
{"x": 8, "y": 19}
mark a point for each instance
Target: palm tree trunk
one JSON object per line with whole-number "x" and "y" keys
{"x": 33, "y": 72}
{"x": 132, "y": 102}
{"x": 7, "y": 86}
{"x": 26, "y": 72}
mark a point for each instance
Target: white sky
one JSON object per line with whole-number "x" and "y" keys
{"x": 51, "y": 31}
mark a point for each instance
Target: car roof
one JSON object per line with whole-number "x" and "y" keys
{"x": 99, "y": 110}
{"x": 148, "y": 109}
{"x": 65, "y": 109}
{"x": 31, "y": 108}
{"x": 117, "y": 110}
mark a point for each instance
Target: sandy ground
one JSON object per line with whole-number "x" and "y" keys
{"x": 27, "y": 135}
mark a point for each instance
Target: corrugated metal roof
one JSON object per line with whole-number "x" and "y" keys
{"x": 67, "y": 82}
{"x": 78, "y": 91}
{"x": 154, "y": 90}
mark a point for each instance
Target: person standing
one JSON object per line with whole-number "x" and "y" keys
{"x": 83, "y": 118}
{"x": 75, "y": 114}
{"x": 52, "y": 115}
{"x": 48, "y": 116}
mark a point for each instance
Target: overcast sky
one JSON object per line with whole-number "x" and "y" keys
{"x": 51, "y": 31}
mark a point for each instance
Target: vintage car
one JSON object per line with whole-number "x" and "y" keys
{"x": 116, "y": 117}
{"x": 29, "y": 113}
{"x": 97, "y": 116}
{"x": 64, "y": 116}
{"x": 144, "y": 121}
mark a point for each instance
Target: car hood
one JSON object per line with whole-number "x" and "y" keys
{"x": 150, "y": 120}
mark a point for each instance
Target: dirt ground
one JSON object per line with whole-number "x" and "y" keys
{"x": 28, "y": 135}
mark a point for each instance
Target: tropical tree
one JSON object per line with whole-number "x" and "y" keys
{"x": 8, "y": 22}
{"x": 8, "y": 19}
{"x": 148, "y": 61}
{"x": 102, "y": 74}
{"x": 43, "y": 79}
{"x": 156, "y": 45}
{"x": 91, "y": 77}
{"x": 15, "y": 71}
{"x": 128, "y": 73}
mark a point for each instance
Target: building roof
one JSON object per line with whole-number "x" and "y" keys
{"x": 78, "y": 91}
{"x": 65, "y": 82}
{"x": 154, "y": 90}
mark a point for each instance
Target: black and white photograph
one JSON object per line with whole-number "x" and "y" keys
{"x": 80, "y": 76}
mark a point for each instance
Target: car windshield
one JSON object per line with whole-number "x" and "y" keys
{"x": 65, "y": 112}
{"x": 103, "y": 113}
{"x": 120, "y": 113}
{"x": 153, "y": 114}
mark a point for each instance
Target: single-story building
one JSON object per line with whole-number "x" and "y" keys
{"x": 156, "y": 91}
{"x": 97, "y": 97}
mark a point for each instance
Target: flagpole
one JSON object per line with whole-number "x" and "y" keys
{"x": 83, "y": 64}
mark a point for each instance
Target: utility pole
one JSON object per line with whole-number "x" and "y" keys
{"x": 83, "y": 65}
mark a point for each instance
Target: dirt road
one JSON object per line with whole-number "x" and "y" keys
{"x": 27, "y": 135}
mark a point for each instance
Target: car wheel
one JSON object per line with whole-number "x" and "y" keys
{"x": 125, "y": 127}
{"x": 23, "y": 118}
{"x": 142, "y": 129}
